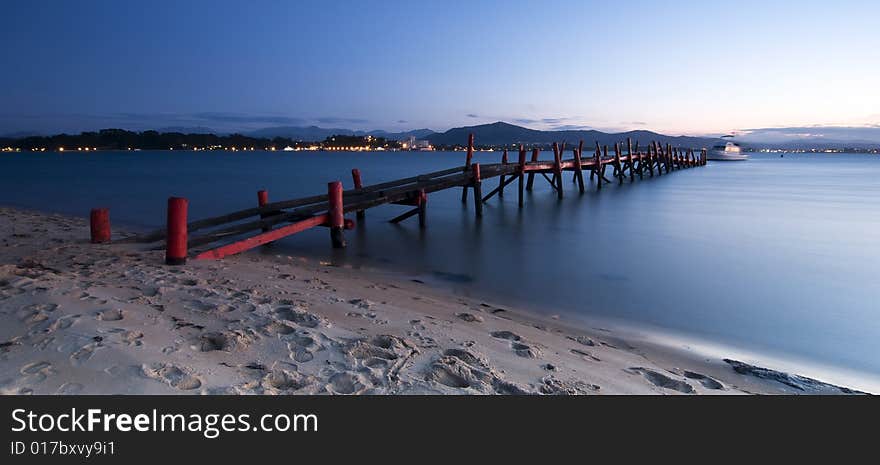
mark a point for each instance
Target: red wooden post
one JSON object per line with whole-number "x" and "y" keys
{"x": 262, "y": 200}
{"x": 478, "y": 191}
{"x": 335, "y": 214}
{"x": 358, "y": 184}
{"x": 176, "y": 234}
{"x": 598, "y": 170}
{"x": 522, "y": 173}
{"x": 467, "y": 163}
{"x": 423, "y": 206}
{"x": 99, "y": 220}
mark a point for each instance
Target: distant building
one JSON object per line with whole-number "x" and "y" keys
{"x": 413, "y": 144}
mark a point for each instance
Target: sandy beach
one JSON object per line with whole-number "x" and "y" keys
{"x": 79, "y": 318}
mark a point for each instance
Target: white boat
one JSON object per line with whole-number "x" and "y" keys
{"x": 730, "y": 151}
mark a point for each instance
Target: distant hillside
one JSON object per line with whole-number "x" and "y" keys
{"x": 315, "y": 133}
{"x": 417, "y": 133}
{"x": 308, "y": 133}
{"x": 501, "y": 133}
{"x": 188, "y": 130}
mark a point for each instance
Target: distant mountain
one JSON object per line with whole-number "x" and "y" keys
{"x": 501, "y": 133}
{"x": 315, "y": 133}
{"x": 188, "y": 130}
{"x": 417, "y": 133}
{"x": 308, "y": 133}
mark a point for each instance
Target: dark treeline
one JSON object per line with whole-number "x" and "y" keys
{"x": 119, "y": 139}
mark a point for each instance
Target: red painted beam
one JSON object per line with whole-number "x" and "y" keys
{"x": 267, "y": 237}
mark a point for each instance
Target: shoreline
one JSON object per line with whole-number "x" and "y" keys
{"x": 112, "y": 319}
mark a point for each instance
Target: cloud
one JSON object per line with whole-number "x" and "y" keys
{"x": 246, "y": 119}
{"x": 340, "y": 120}
{"x": 634, "y": 123}
{"x": 472, "y": 115}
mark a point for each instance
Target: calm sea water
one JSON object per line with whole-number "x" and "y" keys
{"x": 776, "y": 256}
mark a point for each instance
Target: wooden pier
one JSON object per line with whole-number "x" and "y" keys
{"x": 270, "y": 221}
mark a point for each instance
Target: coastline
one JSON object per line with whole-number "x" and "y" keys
{"x": 112, "y": 319}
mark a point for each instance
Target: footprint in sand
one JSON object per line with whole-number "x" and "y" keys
{"x": 300, "y": 317}
{"x": 110, "y": 315}
{"x": 663, "y": 381}
{"x": 132, "y": 338}
{"x": 469, "y": 317}
{"x": 507, "y": 335}
{"x": 63, "y": 323}
{"x": 551, "y": 385}
{"x": 70, "y": 388}
{"x": 172, "y": 375}
{"x": 37, "y": 372}
{"x": 46, "y": 307}
{"x": 519, "y": 346}
{"x": 347, "y": 383}
{"x": 302, "y": 347}
{"x": 275, "y": 329}
{"x": 210, "y": 342}
{"x": 363, "y": 304}
{"x": 461, "y": 368}
{"x": 584, "y": 340}
{"x": 286, "y": 380}
{"x": 84, "y": 353}
{"x": 585, "y": 355}
{"x": 707, "y": 382}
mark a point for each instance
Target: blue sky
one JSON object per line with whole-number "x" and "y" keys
{"x": 689, "y": 67}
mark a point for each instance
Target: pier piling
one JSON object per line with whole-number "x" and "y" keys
{"x": 99, "y": 222}
{"x": 478, "y": 191}
{"x": 501, "y": 180}
{"x": 358, "y": 184}
{"x": 176, "y": 239}
{"x": 531, "y": 178}
{"x": 335, "y": 214}
{"x": 262, "y": 200}
{"x": 578, "y": 166}
{"x": 467, "y": 164}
